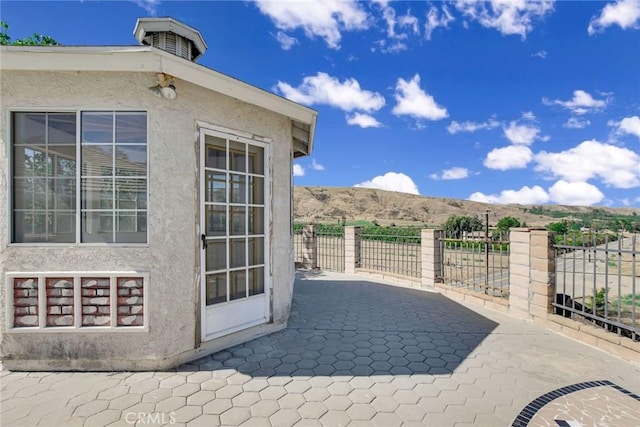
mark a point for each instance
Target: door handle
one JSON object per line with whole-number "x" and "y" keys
{"x": 204, "y": 241}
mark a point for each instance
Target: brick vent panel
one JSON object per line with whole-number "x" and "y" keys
{"x": 60, "y": 302}
{"x": 25, "y": 302}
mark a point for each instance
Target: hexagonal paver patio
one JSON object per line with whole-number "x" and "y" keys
{"x": 356, "y": 352}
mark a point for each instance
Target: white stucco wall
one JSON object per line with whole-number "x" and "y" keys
{"x": 172, "y": 254}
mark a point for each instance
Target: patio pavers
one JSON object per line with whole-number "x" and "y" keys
{"x": 356, "y": 352}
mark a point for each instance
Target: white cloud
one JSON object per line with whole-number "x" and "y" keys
{"x": 286, "y": 42}
{"x": 468, "y": 126}
{"x": 150, "y": 6}
{"x": 325, "y": 89}
{"x": 575, "y": 193}
{"x": 576, "y": 123}
{"x": 437, "y": 19}
{"x": 404, "y": 21}
{"x": 521, "y": 134}
{"x": 363, "y": 120}
{"x": 525, "y": 196}
{"x": 316, "y": 166}
{"x": 391, "y": 181}
{"x": 325, "y": 19}
{"x": 581, "y": 103}
{"x": 452, "y": 173}
{"x": 393, "y": 47}
{"x": 508, "y": 17}
{"x": 542, "y": 54}
{"x": 629, "y": 125}
{"x": 624, "y": 13}
{"x": 415, "y": 102}
{"x": 298, "y": 170}
{"x": 616, "y": 166}
{"x": 511, "y": 157}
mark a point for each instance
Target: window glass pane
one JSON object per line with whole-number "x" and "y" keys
{"x": 237, "y": 156}
{"x": 97, "y": 160}
{"x": 130, "y": 192}
{"x": 256, "y": 160}
{"x": 256, "y": 221}
{"x": 23, "y": 193}
{"x": 256, "y": 281}
{"x": 216, "y": 220}
{"x": 131, "y": 227}
{"x": 97, "y": 227}
{"x": 238, "y": 188}
{"x": 237, "y": 284}
{"x": 256, "y": 250}
{"x": 42, "y": 196}
{"x": 237, "y": 253}
{"x": 62, "y": 128}
{"x": 237, "y": 220}
{"x": 30, "y": 161}
{"x": 63, "y": 160}
{"x": 256, "y": 190}
{"x": 216, "y": 190}
{"x": 216, "y": 288}
{"x": 131, "y": 127}
{"x": 97, "y": 193}
{"x": 216, "y": 255}
{"x": 64, "y": 193}
{"x": 131, "y": 160}
{"x": 29, "y": 128}
{"x": 64, "y": 223}
{"x": 216, "y": 152}
{"x": 97, "y": 127}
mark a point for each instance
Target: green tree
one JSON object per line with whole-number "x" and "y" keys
{"x": 456, "y": 225}
{"x": 34, "y": 40}
{"x": 560, "y": 228}
{"x": 508, "y": 222}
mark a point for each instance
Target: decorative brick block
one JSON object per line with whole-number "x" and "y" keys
{"x": 25, "y": 302}
{"x": 130, "y": 301}
{"x": 96, "y": 310}
{"x": 94, "y": 299}
{"x": 56, "y": 301}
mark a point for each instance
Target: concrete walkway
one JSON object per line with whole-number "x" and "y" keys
{"x": 356, "y": 352}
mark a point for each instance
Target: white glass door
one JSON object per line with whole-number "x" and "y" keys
{"x": 234, "y": 244}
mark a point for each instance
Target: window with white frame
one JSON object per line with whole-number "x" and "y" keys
{"x": 102, "y": 201}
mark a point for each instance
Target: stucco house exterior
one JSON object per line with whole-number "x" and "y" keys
{"x": 147, "y": 204}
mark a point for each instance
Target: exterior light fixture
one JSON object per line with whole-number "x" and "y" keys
{"x": 165, "y": 87}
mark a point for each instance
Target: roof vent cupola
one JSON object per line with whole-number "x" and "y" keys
{"x": 171, "y": 36}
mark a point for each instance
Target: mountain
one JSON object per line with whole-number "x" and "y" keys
{"x": 333, "y": 204}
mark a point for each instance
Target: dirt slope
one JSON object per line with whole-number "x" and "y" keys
{"x": 332, "y": 204}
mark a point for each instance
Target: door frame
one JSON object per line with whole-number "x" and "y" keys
{"x": 246, "y": 138}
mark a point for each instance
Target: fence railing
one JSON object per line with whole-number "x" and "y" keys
{"x": 477, "y": 263}
{"x": 298, "y": 246}
{"x": 597, "y": 281}
{"x": 330, "y": 248}
{"x": 394, "y": 251}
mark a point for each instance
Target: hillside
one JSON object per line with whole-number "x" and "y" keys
{"x": 332, "y": 204}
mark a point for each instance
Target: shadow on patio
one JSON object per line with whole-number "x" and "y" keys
{"x": 359, "y": 328}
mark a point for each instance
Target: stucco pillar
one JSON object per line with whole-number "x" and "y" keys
{"x": 519, "y": 272}
{"x": 431, "y": 254}
{"x": 351, "y": 249}
{"x": 309, "y": 247}
{"x": 543, "y": 273}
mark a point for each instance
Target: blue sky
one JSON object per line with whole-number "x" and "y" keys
{"x": 500, "y": 101}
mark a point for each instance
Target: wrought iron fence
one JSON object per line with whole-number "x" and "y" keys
{"x": 391, "y": 250}
{"x": 298, "y": 244}
{"x": 597, "y": 280}
{"x": 477, "y": 261}
{"x": 330, "y": 248}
